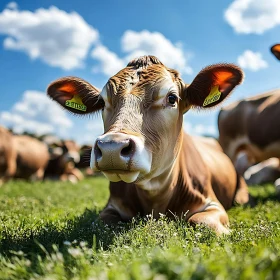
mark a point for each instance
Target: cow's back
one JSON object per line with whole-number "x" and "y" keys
{"x": 263, "y": 127}
{"x": 250, "y": 125}
{"x": 32, "y": 156}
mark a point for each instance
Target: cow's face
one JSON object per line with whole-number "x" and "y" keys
{"x": 142, "y": 123}
{"x": 71, "y": 151}
{"x": 142, "y": 109}
{"x": 67, "y": 151}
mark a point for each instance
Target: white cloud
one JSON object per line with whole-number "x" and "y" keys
{"x": 135, "y": 44}
{"x": 93, "y": 129}
{"x": 110, "y": 63}
{"x": 58, "y": 38}
{"x": 251, "y": 16}
{"x": 252, "y": 61}
{"x": 36, "y": 113}
{"x": 200, "y": 129}
{"x": 187, "y": 127}
{"x": 154, "y": 43}
{"x": 95, "y": 125}
{"x": 12, "y": 6}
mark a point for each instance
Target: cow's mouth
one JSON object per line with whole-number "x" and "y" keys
{"x": 121, "y": 157}
{"x": 121, "y": 175}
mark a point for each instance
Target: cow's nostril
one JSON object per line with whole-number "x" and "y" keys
{"x": 129, "y": 149}
{"x": 97, "y": 151}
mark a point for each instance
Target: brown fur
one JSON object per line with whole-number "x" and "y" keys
{"x": 32, "y": 157}
{"x": 251, "y": 126}
{"x": 7, "y": 155}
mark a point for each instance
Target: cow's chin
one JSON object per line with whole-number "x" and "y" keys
{"x": 115, "y": 176}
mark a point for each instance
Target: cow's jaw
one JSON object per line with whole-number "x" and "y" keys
{"x": 121, "y": 157}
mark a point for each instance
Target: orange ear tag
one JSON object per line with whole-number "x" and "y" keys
{"x": 213, "y": 96}
{"x": 76, "y": 103}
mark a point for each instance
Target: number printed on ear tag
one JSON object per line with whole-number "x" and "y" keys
{"x": 213, "y": 96}
{"x": 76, "y": 103}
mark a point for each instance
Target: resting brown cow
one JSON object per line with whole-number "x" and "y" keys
{"x": 32, "y": 157}
{"x": 249, "y": 129}
{"x": 153, "y": 166}
{"x": 7, "y": 155}
{"x": 63, "y": 156}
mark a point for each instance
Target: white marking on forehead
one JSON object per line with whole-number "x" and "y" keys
{"x": 103, "y": 93}
{"x": 167, "y": 86}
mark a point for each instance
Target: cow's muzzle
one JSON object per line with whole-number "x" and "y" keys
{"x": 120, "y": 157}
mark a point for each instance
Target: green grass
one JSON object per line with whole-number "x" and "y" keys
{"x": 47, "y": 232}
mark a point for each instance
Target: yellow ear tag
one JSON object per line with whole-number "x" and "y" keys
{"x": 213, "y": 96}
{"x": 76, "y": 103}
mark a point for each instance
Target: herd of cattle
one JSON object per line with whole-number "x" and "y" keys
{"x": 27, "y": 157}
{"x": 152, "y": 165}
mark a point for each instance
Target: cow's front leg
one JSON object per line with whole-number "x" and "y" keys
{"x": 110, "y": 215}
{"x": 213, "y": 216}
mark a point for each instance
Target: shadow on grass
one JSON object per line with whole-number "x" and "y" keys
{"x": 81, "y": 228}
{"x": 260, "y": 194}
{"x": 87, "y": 227}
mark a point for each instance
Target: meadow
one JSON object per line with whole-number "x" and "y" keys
{"x": 50, "y": 230}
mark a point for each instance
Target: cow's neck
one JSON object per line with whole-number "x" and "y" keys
{"x": 156, "y": 200}
{"x": 162, "y": 192}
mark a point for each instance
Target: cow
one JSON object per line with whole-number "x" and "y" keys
{"x": 265, "y": 172}
{"x": 64, "y": 154}
{"x": 249, "y": 130}
{"x": 275, "y": 49}
{"x": 32, "y": 157}
{"x": 152, "y": 165}
{"x": 84, "y": 162}
{"x": 7, "y": 155}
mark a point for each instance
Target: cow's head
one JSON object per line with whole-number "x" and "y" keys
{"x": 66, "y": 150}
{"x": 142, "y": 108}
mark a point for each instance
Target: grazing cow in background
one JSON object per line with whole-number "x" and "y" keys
{"x": 153, "y": 166}
{"x": 276, "y": 51}
{"x": 32, "y": 157}
{"x": 63, "y": 157}
{"x": 249, "y": 129}
{"x": 7, "y": 155}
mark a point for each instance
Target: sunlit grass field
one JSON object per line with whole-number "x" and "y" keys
{"x": 51, "y": 230}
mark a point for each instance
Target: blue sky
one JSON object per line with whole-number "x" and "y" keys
{"x": 41, "y": 41}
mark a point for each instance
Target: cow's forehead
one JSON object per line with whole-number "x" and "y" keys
{"x": 140, "y": 82}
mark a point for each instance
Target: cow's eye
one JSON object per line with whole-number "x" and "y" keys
{"x": 172, "y": 99}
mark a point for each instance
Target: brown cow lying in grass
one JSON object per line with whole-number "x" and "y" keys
{"x": 153, "y": 166}
{"x": 32, "y": 157}
{"x": 21, "y": 156}
{"x": 249, "y": 130}
{"x": 7, "y": 155}
{"x": 64, "y": 154}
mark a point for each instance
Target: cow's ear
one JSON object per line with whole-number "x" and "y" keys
{"x": 276, "y": 50}
{"x": 212, "y": 85}
{"x": 76, "y": 95}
